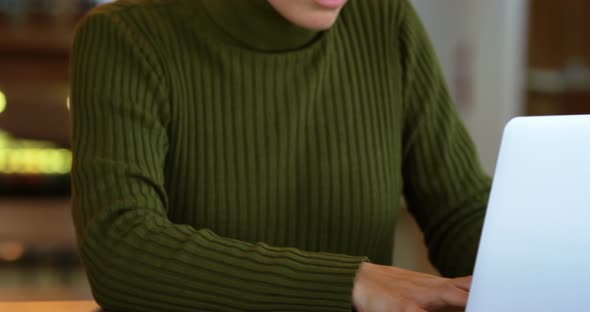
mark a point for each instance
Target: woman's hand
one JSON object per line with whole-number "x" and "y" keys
{"x": 379, "y": 288}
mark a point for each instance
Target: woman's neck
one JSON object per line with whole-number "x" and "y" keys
{"x": 256, "y": 24}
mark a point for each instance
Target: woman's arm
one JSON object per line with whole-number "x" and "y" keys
{"x": 135, "y": 257}
{"x": 444, "y": 183}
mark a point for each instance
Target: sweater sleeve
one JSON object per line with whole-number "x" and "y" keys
{"x": 444, "y": 183}
{"x": 137, "y": 259}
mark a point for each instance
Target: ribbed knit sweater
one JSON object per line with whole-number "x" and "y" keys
{"x": 227, "y": 160}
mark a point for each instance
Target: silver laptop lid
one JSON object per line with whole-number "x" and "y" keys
{"x": 534, "y": 253}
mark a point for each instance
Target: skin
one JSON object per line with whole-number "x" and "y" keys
{"x": 380, "y": 288}
{"x": 306, "y": 13}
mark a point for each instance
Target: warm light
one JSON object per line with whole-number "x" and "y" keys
{"x": 65, "y": 161}
{"x": 68, "y": 103}
{"x": 11, "y": 251}
{"x": 29, "y": 161}
{"x": 32, "y": 157}
{"x": 12, "y": 164}
{"x": 2, "y": 102}
{"x": 53, "y": 162}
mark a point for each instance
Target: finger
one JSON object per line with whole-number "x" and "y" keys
{"x": 453, "y": 297}
{"x": 463, "y": 283}
{"x": 452, "y": 310}
{"x": 413, "y": 308}
{"x": 444, "y": 297}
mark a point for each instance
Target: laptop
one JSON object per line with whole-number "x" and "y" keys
{"x": 534, "y": 253}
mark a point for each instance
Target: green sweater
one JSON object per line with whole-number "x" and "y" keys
{"x": 226, "y": 160}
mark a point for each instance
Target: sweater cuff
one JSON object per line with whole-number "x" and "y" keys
{"x": 329, "y": 280}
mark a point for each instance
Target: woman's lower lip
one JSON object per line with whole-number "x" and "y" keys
{"x": 330, "y": 4}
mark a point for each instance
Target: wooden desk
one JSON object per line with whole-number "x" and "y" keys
{"x": 50, "y": 306}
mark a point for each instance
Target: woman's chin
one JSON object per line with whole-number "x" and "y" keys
{"x": 318, "y": 22}
{"x": 309, "y": 14}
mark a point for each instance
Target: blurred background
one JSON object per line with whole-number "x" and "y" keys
{"x": 501, "y": 58}
{"x": 38, "y": 260}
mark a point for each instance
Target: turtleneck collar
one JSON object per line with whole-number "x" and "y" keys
{"x": 257, "y": 25}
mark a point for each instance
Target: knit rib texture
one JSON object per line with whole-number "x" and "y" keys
{"x": 211, "y": 175}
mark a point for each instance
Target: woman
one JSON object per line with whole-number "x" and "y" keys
{"x": 251, "y": 155}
